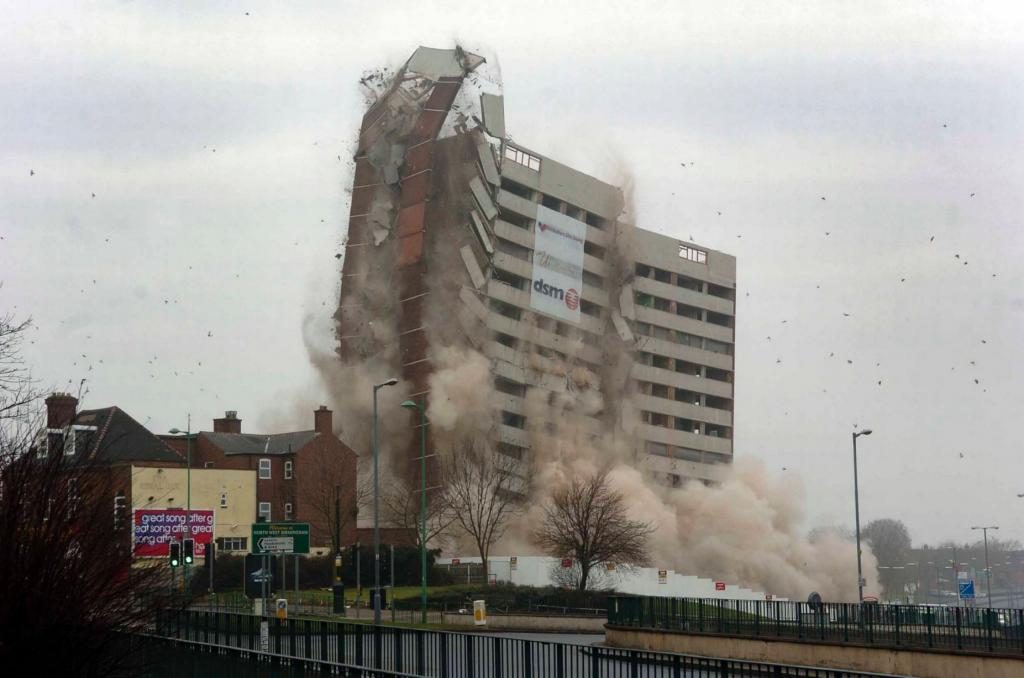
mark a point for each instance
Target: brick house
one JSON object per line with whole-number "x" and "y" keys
{"x": 299, "y": 473}
{"x": 110, "y": 440}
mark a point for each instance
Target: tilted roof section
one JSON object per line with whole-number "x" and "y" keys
{"x": 255, "y": 443}
{"x": 119, "y": 438}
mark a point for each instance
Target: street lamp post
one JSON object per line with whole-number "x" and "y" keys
{"x": 856, "y": 513}
{"x": 423, "y": 505}
{"x": 188, "y": 480}
{"x": 376, "y": 505}
{"x": 988, "y": 571}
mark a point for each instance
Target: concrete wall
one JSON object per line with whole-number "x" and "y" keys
{"x": 922, "y": 664}
{"x": 537, "y": 623}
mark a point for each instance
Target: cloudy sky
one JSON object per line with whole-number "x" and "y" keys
{"x": 172, "y": 196}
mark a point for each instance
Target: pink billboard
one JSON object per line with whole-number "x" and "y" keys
{"x": 155, "y": 529}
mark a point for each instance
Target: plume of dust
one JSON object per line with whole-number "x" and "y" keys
{"x": 349, "y": 389}
{"x": 460, "y": 389}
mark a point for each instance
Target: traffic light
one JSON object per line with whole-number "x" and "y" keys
{"x": 189, "y": 550}
{"x": 120, "y": 511}
{"x": 175, "y": 553}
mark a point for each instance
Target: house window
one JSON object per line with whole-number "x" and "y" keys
{"x": 264, "y": 469}
{"x": 693, "y": 254}
{"x": 207, "y": 464}
{"x": 288, "y": 470}
{"x": 223, "y": 499}
{"x": 232, "y": 543}
{"x": 265, "y": 511}
{"x": 288, "y": 511}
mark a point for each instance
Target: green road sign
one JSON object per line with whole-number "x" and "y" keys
{"x": 280, "y": 538}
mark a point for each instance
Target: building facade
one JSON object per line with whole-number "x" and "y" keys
{"x": 303, "y": 476}
{"x": 461, "y": 240}
{"x": 230, "y": 494}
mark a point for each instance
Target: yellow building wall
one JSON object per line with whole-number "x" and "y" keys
{"x": 160, "y": 488}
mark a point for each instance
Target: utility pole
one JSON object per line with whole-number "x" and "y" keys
{"x": 376, "y": 503}
{"x": 988, "y": 571}
{"x": 856, "y": 513}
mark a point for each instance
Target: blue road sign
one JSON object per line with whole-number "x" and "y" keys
{"x": 966, "y": 589}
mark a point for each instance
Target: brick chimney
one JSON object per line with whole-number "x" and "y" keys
{"x": 229, "y": 423}
{"x": 323, "y": 421}
{"x": 60, "y": 410}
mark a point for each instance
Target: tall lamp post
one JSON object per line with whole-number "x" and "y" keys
{"x": 856, "y": 512}
{"x": 188, "y": 478}
{"x": 988, "y": 571}
{"x": 376, "y": 505}
{"x": 409, "y": 404}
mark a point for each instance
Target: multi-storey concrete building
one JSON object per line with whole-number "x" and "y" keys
{"x": 460, "y": 237}
{"x": 678, "y": 304}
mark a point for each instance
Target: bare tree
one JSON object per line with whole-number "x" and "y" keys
{"x": 332, "y": 498}
{"x": 588, "y": 521}
{"x": 65, "y": 566}
{"x": 400, "y": 498}
{"x": 17, "y": 390}
{"x": 480, "y": 488}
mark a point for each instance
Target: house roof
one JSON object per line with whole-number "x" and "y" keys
{"x": 256, "y": 443}
{"x": 118, "y": 437}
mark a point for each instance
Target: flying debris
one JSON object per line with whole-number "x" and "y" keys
{"x": 931, "y": 239}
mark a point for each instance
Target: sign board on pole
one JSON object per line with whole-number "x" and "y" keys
{"x": 719, "y": 585}
{"x": 280, "y": 538}
{"x": 662, "y": 576}
{"x": 966, "y": 589}
{"x": 456, "y": 561}
{"x": 282, "y": 608}
{"x": 513, "y": 562}
{"x": 557, "y": 265}
{"x": 153, "y": 530}
{"x": 567, "y": 562}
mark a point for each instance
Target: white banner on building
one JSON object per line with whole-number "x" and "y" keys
{"x": 557, "y": 265}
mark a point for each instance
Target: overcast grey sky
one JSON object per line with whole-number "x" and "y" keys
{"x": 211, "y": 133}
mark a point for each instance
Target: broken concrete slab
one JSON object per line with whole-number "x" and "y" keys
{"x": 493, "y": 106}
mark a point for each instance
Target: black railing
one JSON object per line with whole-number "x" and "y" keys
{"x": 366, "y": 650}
{"x": 956, "y": 629}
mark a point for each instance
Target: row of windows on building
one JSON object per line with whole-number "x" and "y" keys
{"x": 265, "y": 472}
{"x": 686, "y": 453}
{"x": 683, "y": 395}
{"x": 679, "y": 308}
{"x": 683, "y": 424}
{"x": 553, "y": 203}
{"x": 683, "y": 366}
{"x": 684, "y": 338}
{"x": 266, "y": 514}
{"x": 684, "y": 281}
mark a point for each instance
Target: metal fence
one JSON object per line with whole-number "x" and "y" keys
{"x": 957, "y": 629}
{"x": 366, "y": 650}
